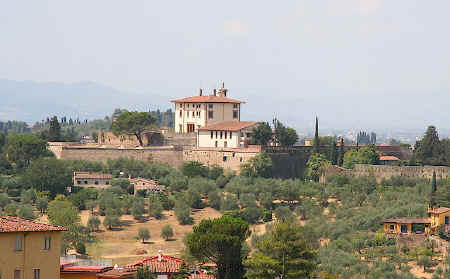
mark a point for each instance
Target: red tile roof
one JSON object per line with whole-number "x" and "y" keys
{"x": 118, "y": 273}
{"x": 389, "y": 158}
{"x": 167, "y": 264}
{"x": 408, "y": 220}
{"x": 228, "y": 126}
{"x": 207, "y": 99}
{"x": 14, "y": 224}
{"x": 87, "y": 269}
{"x": 92, "y": 175}
{"x": 441, "y": 210}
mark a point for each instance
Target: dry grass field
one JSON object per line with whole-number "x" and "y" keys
{"x": 121, "y": 244}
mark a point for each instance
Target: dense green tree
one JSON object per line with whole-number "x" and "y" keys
{"x": 258, "y": 166}
{"x": 111, "y": 219}
{"x": 54, "y": 132}
{"x": 4, "y": 200}
{"x": 155, "y": 208}
{"x": 23, "y": 148}
{"x": 138, "y": 208}
{"x": 428, "y": 150}
{"x": 220, "y": 241}
{"x": 48, "y": 174}
{"x": 193, "y": 169}
{"x": 133, "y": 123}
{"x": 2, "y": 141}
{"x": 183, "y": 213}
{"x": 316, "y": 166}
{"x": 365, "y": 155}
{"x": 25, "y": 211}
{"x": 143, "y": 234}
{"x": 251, "y": 214}
{"x": 93, "y": 223}
{"x": 284, "y": 136}
{"x": 283, "y": 213}
{"x": 284, "y": 253}
{"x": 167, "y": 232}
{"x": 193, "y": 198}
{"x": 261, "y": 134}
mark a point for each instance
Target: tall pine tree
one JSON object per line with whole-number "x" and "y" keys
{"x": 316, "y": 143}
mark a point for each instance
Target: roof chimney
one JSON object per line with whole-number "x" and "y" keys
{"x": 200, "y": 92}
{"x": 159, "y": 255}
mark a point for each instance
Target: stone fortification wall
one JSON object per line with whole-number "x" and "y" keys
{"x": 167, "y": 154}
{"x": 175, "y": 139}
{"x": 227, "y": 158}
{"x": 386, "y": 172}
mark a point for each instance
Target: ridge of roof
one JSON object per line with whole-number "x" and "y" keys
{"x": 228, "y": 126}
{"x": 207, "y": 99}
{"x": 15, "y": 224}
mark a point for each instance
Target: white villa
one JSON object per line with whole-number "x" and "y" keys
{"x": 192, "y": 113}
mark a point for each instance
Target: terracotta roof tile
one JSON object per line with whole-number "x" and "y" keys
{"x": 14, "y": 224}
{"x": 207, "y": 99}
{"x": 167, "y": 264}
{"x": 201, "y": 275}
{"x": 228, "y": 126}
{"x": 92, "y": 175}
{"x": 407, "y": 220}
{"x": 87, "y": 269}
{"x": 118, "y": 273}
{"x": 442, "y": 210}
{"x": 389, "y": 158}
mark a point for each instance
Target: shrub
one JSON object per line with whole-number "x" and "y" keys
{"x": 166, "y": 232}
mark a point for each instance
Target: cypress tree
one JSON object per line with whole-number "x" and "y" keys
{"x": 341, "y": 154}
{"x": 433, "y": 190}
{"x": 334, "y": 154}
{"x": 316, "y": 144}
{"x": 54, "y": 133}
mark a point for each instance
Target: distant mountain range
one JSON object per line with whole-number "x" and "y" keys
{"x": 33, "y": 101}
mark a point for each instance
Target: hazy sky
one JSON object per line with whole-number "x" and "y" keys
{"x": 389, "y": 59}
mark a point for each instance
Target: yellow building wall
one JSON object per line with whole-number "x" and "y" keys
{"x": 32, "y": 256}
{"x": 438, "y": 219}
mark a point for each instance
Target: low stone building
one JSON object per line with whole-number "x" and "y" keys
{"x": 90, "y": 179}
{"x": 143, "y": 184}
{"x": 227, "y": 134}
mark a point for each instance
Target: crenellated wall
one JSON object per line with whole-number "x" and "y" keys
{"x": 167, "y": 154}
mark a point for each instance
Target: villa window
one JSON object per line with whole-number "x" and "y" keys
{"x": 16, "y": 274}
{"x": 221, "y": 134}
{"x": 224, "y": 158}
{"x": 216, "y": 134}
{"x": 37, "y": 274}
{"x": 217, "y": 144}
{"x": 210, "y": 114}
{"x": 226, "y": 133}
{"x": 212, "y": 134}
{"x": 235, "y": 106}
{"x": 193, "y": 114}
{"x": 231, "y": 135}
{"x": 210, "y": 106}
{"x": 96, "y": 182}
{"x": 235, "y": 114}
{"x": 181, "y": 113}
{"x": 391, "y": 227}
{"x": 447, "y": 220}
{"x": 85, "y": 182}
{"x": 78, "y": 181}
{"x": 47, "y": 243}
{"x": 107, "y": 182}
{"x": 18, "y": 243}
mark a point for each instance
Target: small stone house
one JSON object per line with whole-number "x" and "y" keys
{"x": 146, "y": 184}
{"x": 91, "y": 179}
